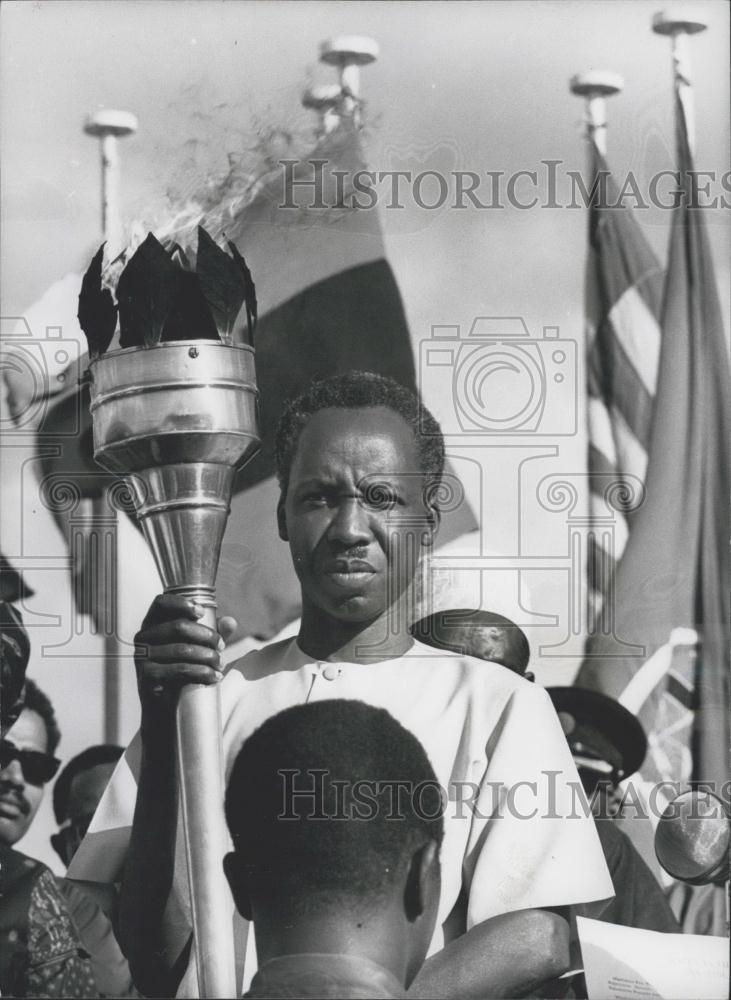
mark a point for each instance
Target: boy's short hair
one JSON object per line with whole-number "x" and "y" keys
{"x": 327, "y": 802}
{"x": 354, "y": 390}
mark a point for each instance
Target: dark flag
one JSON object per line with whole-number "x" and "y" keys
{"x": 331, "y": 304}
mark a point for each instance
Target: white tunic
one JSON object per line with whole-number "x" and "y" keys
{"x": 516, "y": 836}
{"x": 491, "y": 737}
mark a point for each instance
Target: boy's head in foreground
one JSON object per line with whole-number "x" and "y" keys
{"x": 336, "y": 819}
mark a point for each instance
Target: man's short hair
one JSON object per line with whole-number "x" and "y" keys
{"x": 354, "y": 390}
{"x": 349, "y": 837}
{"x": 104, "y": 753}
{"x": 37, "y": 701}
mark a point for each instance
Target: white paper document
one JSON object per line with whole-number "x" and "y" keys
{"x": 624, "y": 963}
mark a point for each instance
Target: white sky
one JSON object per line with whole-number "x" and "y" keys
{"x": 485, "y": 84}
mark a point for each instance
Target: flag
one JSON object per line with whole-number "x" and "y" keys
{"x": 674, "y": 571}
{"x": 624, "y": 291}
{"x": 624, "y": 297}
{"x": 331, "y": 304}
{"x": 13, "y": 587}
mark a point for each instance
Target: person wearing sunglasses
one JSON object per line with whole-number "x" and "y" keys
{"x": 27, "y": 764}
{"x": 41, "y": 953}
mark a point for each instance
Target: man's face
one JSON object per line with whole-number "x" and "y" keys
{"x": 354, "y": 513}
{"x": 85, "y": 794}
{"x": 19, "y": 799}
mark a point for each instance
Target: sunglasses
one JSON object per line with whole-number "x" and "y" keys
{"x": 37, "y": 767}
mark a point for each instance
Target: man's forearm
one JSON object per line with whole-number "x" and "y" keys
{"x": 506, "y": 956}
{"x": 151, "y": 938}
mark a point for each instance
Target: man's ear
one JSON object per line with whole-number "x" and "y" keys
{"x": 422, "y": 871}
{"x": 232, "y": 867}
{"x": 433, "y": 520}
{"x": 282, "y": 519}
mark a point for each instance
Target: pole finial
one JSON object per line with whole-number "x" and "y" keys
{"x": 595, "y": 85}
{"x": 679, "y": 20}
{"x": 108, "y": 122}
{"x": 349, "y": 50}
{"x": 348, "y": 53}
{"x": 107, "y": 126}
{"x": 679, "y": 23}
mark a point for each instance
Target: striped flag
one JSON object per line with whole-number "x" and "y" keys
{"x": 674, "y": 570}
{"x": 624, "y": 294}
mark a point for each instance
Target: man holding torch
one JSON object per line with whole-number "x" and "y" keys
{"x": 359, "y": 462}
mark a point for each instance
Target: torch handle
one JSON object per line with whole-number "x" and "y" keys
{"x": 200, "y": 764}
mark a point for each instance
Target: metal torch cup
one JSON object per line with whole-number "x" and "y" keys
{"x": 177, "y": 420}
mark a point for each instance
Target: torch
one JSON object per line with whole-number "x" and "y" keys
{"x": 174, "y": 411}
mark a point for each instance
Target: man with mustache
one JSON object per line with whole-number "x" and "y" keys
{"x": 40, "y": 951}
{"x": 359, "y": 461}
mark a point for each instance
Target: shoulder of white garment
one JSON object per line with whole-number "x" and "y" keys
{"x": 441, "y": 665}
{"x": 496, "y": 701}
{"x": 482, "y": 675}
{"x": 258, "y": 662}
{"x": 488, "y": 686}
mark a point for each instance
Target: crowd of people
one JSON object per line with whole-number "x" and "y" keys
{"x": 401, "y": 796}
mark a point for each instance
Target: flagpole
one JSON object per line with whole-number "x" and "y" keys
{"x": 108, "y": 126}
{"x": 348, "y": 53}
{"x": 595, "y": 86}
{"x": 697, "y": 314}
{"x": 679, "y": 23}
